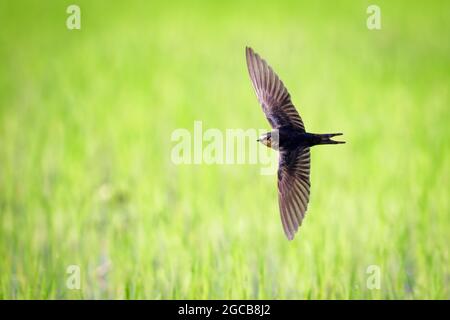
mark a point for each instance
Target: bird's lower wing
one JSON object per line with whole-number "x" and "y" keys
{"x": 293, "y": 188}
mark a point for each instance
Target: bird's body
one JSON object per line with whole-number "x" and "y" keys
{"x": 290, "y": 138}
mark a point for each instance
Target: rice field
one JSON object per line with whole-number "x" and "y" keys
{"x": 88, "y": 187}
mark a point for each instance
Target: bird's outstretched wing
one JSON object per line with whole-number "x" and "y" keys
{"x": 293, "y": 188}
{"x": 272, "y": 94}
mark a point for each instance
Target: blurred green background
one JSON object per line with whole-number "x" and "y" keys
{"x": 86, "y": 177}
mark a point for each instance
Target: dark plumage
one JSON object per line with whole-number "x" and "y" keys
{"x": 289, "y": 138}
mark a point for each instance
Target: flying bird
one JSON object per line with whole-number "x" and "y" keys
{"x": 290, "y": 138}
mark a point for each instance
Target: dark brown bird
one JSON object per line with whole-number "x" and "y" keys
{"x": 289, "y": 138}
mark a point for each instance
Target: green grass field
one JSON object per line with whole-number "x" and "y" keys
{"x": 86, "y": 177}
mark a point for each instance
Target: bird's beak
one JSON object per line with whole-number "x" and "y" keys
{"x": 257, "y": 140}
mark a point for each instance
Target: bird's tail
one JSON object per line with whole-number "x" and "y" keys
{"x": 326, "y": 138}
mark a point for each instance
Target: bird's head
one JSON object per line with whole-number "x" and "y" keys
{"x": 269, "y": 139}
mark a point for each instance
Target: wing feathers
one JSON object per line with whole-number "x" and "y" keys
{"x": 293, "y": 188}
{"x": 272, "y": 94}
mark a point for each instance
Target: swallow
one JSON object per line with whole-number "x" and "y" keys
{"x": 289, "y": 137}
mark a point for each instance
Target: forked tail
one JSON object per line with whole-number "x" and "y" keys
{"x": 326, "y": 138}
